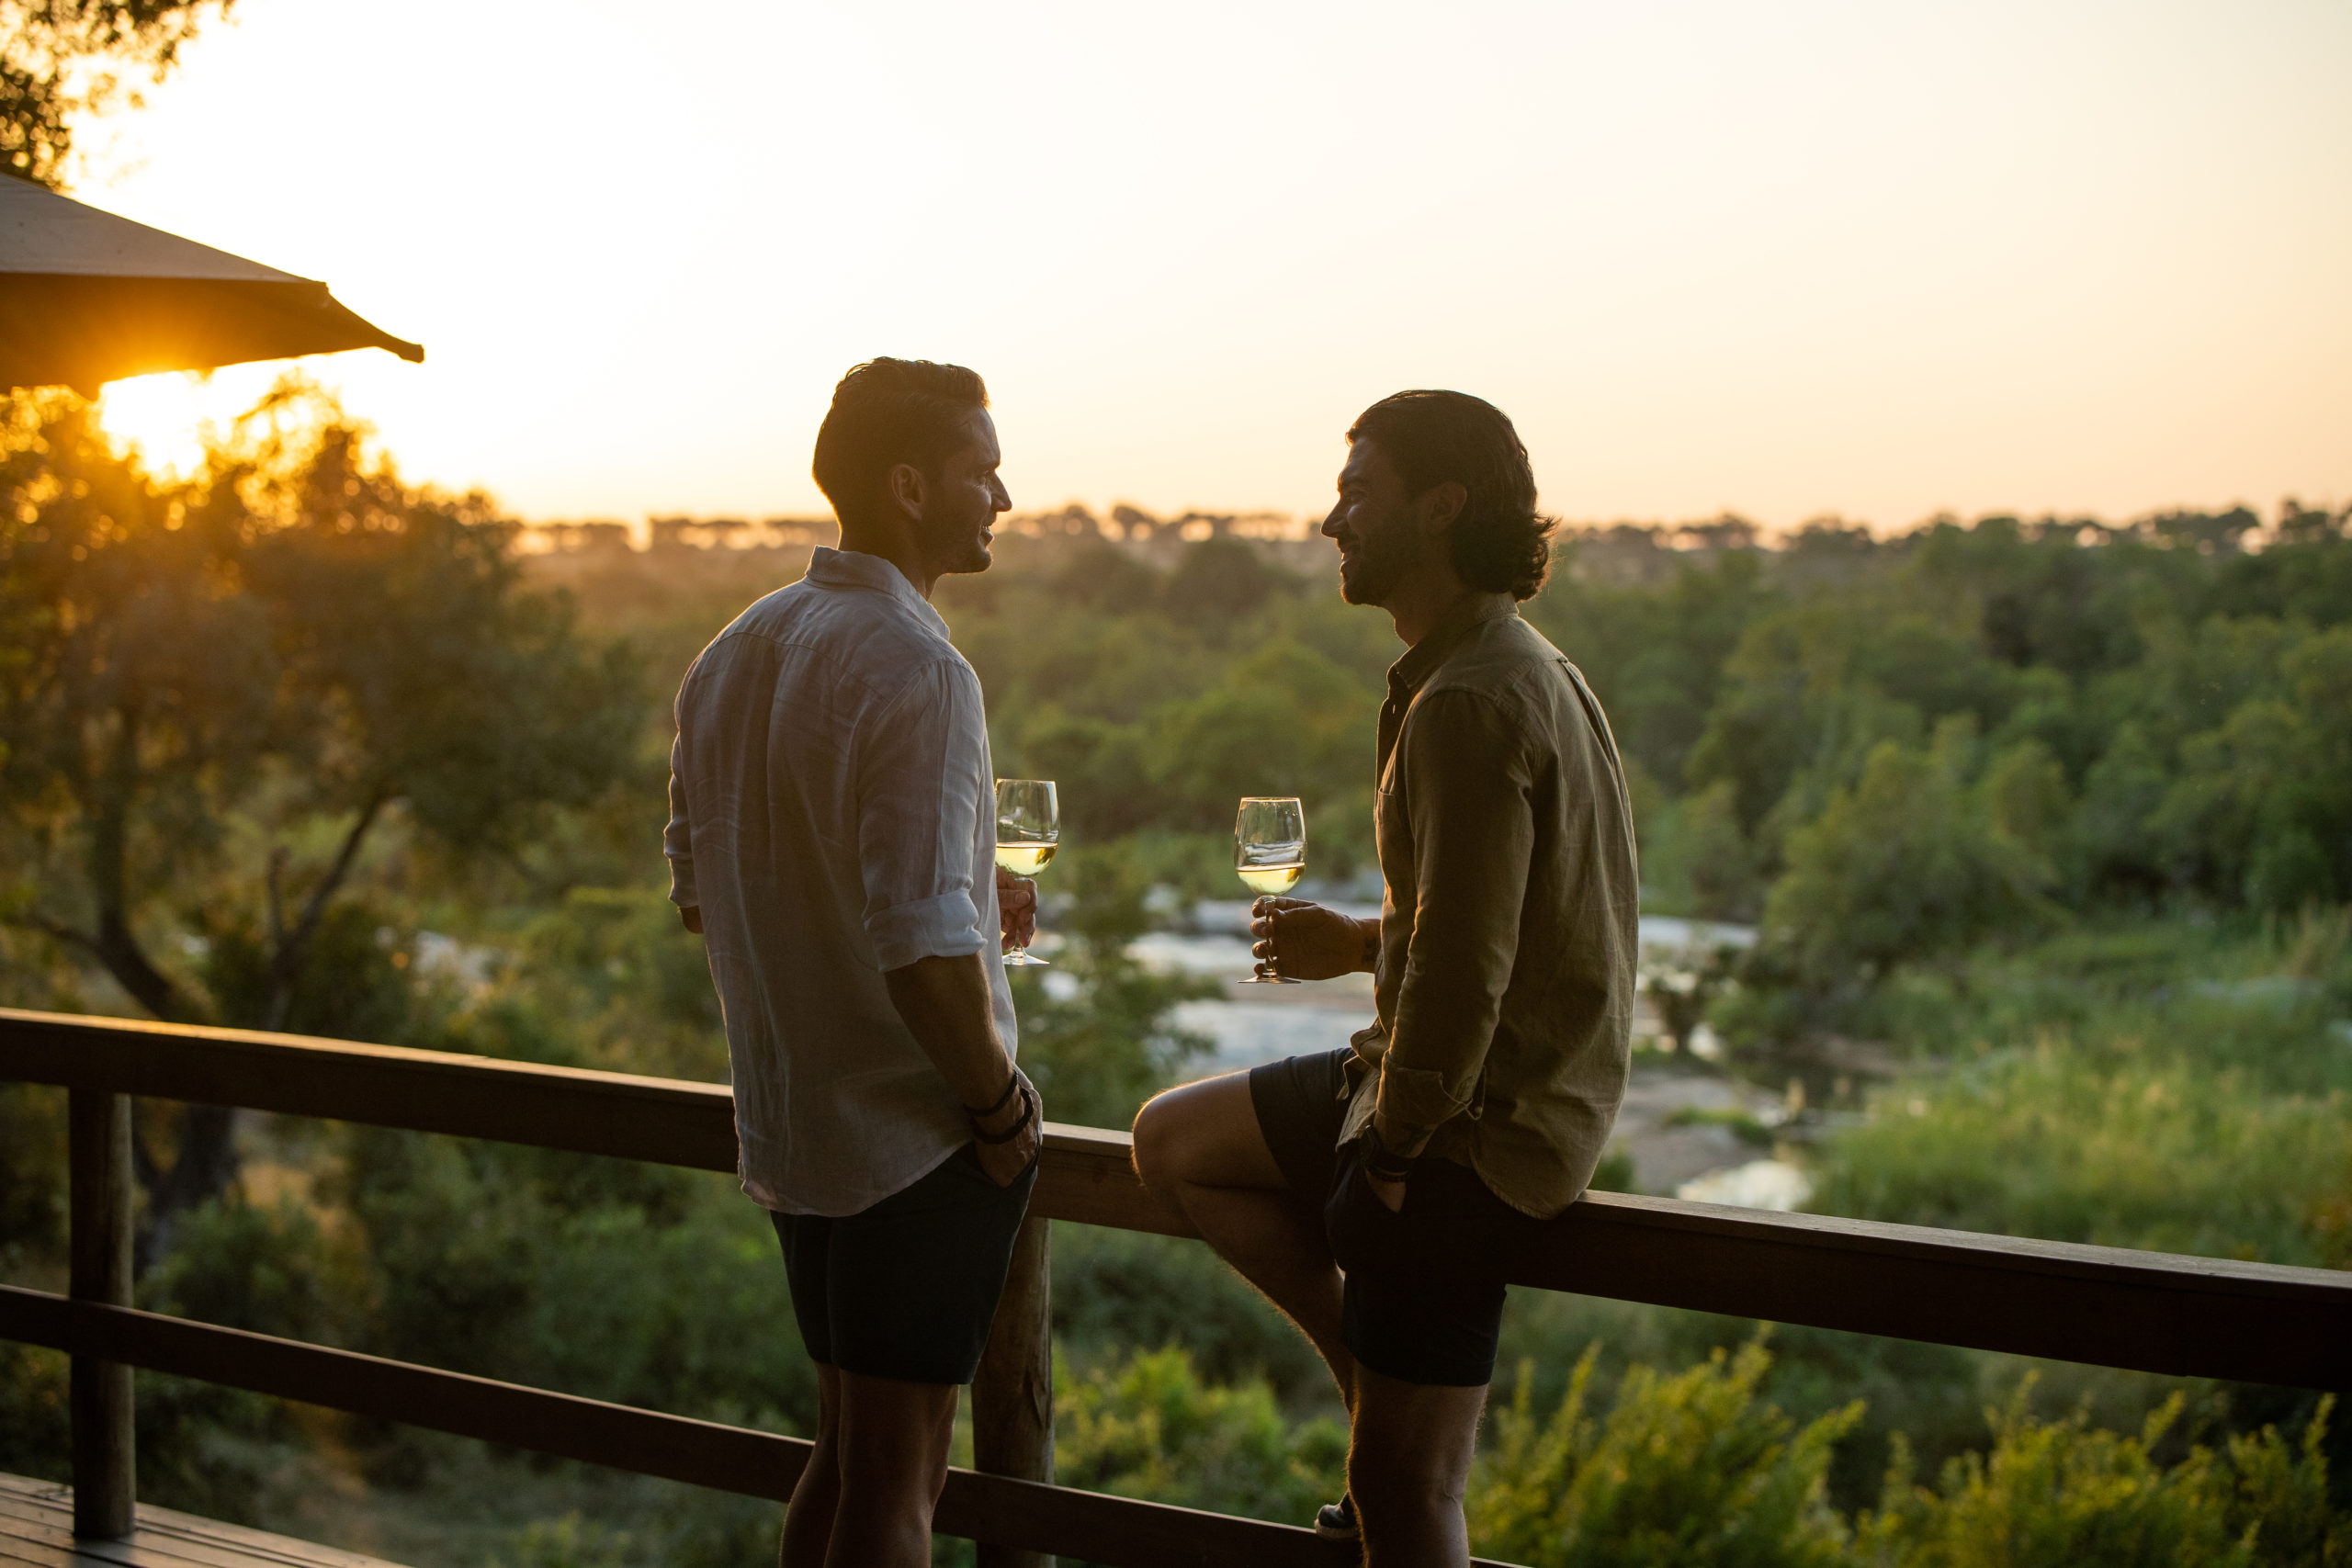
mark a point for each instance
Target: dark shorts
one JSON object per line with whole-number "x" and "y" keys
{"x": 1424, "y": 1293}
{"x": 906, "y": 1289}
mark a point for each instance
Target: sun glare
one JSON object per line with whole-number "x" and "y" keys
{"x": 165, "y": 418}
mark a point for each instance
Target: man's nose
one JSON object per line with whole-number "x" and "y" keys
{"x": 1330, "y": 529}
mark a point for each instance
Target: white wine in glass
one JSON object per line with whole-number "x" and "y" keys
{"x": 1028, "y": 829}
{"x": 1269, "y": 854}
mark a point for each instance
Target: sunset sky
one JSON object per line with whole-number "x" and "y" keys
{"x": 1874, "y": 259}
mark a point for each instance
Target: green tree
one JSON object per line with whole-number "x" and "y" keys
{"x": 1912, "y": 862}
{"x": 296, "y": 646}
{"x": 1098, "y": 1039}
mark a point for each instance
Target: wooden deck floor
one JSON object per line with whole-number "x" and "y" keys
{"x": 37, "y": 1528}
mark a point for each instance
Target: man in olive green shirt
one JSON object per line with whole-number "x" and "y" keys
{"x": 1380, "y": 1195}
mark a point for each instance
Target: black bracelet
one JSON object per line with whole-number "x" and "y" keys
{"x": 1382, "y": 1161}
{"x": 1028, "y": 1114}
{"x": 1012, "y": 1082}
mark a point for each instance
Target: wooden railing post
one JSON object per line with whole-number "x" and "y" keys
{"x": 105, "y": 1458}
{"x": 1012, "y": 1395}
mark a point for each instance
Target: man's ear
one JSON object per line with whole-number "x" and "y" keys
{"x": 904, "y": 486}
{"x": 1441, "y": 504}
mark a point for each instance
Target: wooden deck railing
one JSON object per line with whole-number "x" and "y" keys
{"x": 2152, "y": 1311}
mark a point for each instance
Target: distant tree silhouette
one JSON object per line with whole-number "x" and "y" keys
{"x": 55, "y": 57}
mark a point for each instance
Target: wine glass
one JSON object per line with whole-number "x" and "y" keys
{"x": 1269, "y": 854}
{"x": 1028, "y": 826}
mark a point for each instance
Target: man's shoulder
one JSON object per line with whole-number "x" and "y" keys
{"x": 1507, "y": 660}
{"x": 868, "y": 640}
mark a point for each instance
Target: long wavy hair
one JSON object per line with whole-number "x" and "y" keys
{"x": 1500, "y": 543}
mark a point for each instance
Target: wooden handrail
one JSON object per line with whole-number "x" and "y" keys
{"x": 2108, "y": 1306}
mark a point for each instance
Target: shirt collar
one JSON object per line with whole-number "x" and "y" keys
{"x": 1462, "y": 617}
{"x": 855, "y": 569}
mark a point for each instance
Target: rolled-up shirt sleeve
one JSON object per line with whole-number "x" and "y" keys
{"x": 677, "y": 838}
{"x": 922, "y": 763}
{"x": 1467, "y": 795}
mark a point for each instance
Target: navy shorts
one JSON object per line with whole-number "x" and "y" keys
{"x": 1424, "y": 1292}
{"x": 906, "y": 1288}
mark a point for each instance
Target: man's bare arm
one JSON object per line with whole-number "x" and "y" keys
{"x": 946, "y": 1006}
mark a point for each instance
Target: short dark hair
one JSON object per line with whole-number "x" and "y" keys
{"x": 1500, "y": 543}
{"x": 888, "y": 411}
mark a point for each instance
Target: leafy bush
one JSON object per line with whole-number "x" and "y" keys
{"x": 2150, "y": 1151}
{"x": 1690, "y": 1470}
{"x": 1148, "y": 1427}
{"x": 2064, "y": 1495}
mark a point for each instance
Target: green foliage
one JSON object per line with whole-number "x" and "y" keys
{"x": 1915, "y": 860}
{"x": 1148, "y": 1427}
{"x": 571, "y": 1542}
{"x": 1685, "y": 1470}
{"x": 2157, "y": 1154}
{"x": 1115, "y": 1290}
{"x": 2095, "y": 1095}
{"x": 32, "y": 1177}
{"x": 296, "y": 641}
{"x": 2062, "y": 1493}
{"x": 1096, "y": 1039}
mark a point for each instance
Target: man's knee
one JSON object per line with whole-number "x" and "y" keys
{"x": 1160, "y": 1137}
{"x": 894, "y": 1436}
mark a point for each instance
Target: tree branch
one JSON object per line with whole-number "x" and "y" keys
{"x": 293, "y": 948}
{"x": 276, "y": 897}
{"x": 56, "y": 932}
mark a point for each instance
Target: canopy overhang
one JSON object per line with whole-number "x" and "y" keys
{"x": 88, "y": 297}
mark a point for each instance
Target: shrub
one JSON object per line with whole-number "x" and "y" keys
{"x": 1148, "y": 1427}
{"x": 1688, "y": 1471}
{"x": 2064, "y": 1495}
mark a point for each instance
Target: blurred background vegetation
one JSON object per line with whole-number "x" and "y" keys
{"x": 2046, "y": 824}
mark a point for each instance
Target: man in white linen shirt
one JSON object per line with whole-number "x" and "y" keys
{"x": 833, "y": 836}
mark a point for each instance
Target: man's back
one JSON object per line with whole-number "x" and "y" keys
{"x": 817, "y": 738}
{"x": 1495, "y": 749}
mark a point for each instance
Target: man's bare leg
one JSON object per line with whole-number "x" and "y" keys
{"x": 808, "y": 1517}
{"x": 1408, "y": 1465}
{"x": 1202, "y": 1155}
{"x": 890, "y": 1442}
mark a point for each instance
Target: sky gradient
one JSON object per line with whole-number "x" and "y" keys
{"x": 1874, "y": 260}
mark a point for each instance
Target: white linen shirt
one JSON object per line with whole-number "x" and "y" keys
{"x": 833, "y": 815}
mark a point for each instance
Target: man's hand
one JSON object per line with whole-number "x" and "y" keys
{"x": 1016, "y": 904}
{"x": 1305, "y": 940}
{"x": 691, "y": 915}
{"x": 1003, "y": 1163}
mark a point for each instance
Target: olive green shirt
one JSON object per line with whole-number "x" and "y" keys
{"x": 1509, "y": 916}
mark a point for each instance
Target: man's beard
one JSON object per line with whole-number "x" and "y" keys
{"x": 1372, "y": 575}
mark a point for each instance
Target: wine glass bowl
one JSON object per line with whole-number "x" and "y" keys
{"x": 1270, "y": 855}
{"x": 1028, "y": 830}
